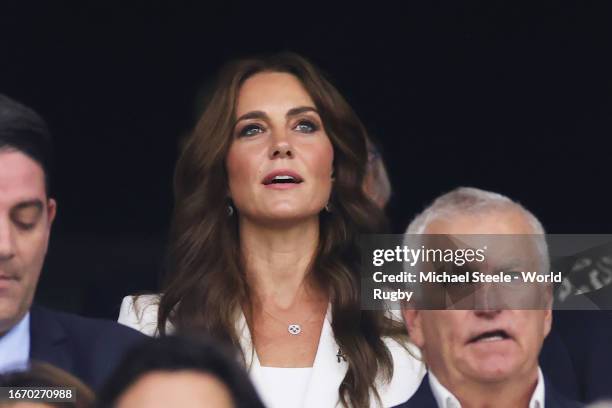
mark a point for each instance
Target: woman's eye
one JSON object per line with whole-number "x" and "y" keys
{"x": 250, "y": 130}
{"x": 306, "y": 126}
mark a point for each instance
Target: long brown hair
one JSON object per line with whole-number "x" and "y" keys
{"x": 205, "y": 285}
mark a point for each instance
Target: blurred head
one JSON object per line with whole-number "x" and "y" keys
{"x": 26, "y": 211}
{"x": 376, "y": 183}
{"x": 488, "y": 344}
{"x": 44, "y": 375}
{"x": 186, "y": 388}
{"x": 178, "y": 372}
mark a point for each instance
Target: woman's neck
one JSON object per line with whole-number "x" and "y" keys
{"x": 278, "y": 260}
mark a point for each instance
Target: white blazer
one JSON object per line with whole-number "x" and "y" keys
{"x": 327, "y": 372}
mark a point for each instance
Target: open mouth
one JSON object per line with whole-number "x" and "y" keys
{"x": 282, "y": 178}
{"x": 493, "y": 335}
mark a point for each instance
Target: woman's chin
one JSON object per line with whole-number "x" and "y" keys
{"x": 285, "y": 215}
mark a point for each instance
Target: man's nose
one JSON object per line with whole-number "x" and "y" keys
{"x": 486, "y": 304}
{"x": 7, "y": 246}
{"x": 281, "y": 148}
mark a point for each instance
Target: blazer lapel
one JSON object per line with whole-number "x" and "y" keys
{"x": 48, "y": 340}
{"x": 328, "y": 370}
{"x": 250, "y": 356}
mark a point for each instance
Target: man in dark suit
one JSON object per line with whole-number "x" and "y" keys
{"x": 87, "y": 348}
{"x": 485, "y": 354}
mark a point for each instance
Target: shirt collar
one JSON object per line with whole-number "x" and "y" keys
{"x": 538, "y": 396}
{"x": 444, "y": 398}
{"x": 15, "y": 346}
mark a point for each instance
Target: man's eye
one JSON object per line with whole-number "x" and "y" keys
{"x": 25, "y": 226}
{"x": 306, "y": 126}
{"x": 515, "y": 276}
{"x": 250, "y": 130}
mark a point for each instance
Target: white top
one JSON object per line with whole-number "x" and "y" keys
{"x": 284, "y": 387}
{"x": 15, "y": 346}
{"x": 445, "y": 399}
{"x": 328, "y": 370}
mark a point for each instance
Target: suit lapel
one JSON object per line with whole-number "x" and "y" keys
{"x": 48, "y": 340}
{"x": 422, "y": 398}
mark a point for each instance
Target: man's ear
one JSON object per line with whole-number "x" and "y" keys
{"x": 413, "y": 321}
{"x": 51, "y": 211}
{"x": 548, "y": 296}
{"x": 547, "y": 321}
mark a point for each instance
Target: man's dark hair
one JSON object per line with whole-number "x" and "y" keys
{"x": 24, "y": 130}
{"x": 172, "y": 353}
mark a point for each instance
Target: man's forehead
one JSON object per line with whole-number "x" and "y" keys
{"x": 21, "y": 178}
{"x": 501, "y": 221}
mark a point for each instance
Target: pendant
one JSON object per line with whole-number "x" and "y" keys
{"x": 294, "y": 329}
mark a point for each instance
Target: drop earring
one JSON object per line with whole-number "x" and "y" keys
{"x": 230, "y": 210}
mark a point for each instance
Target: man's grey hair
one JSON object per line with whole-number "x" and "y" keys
{"x": 474, "y": 201}
{"x": 470, "y": 201}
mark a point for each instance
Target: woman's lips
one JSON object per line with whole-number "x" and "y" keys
{"x": 282, "y": 186}
{"x": 282, "y": 179}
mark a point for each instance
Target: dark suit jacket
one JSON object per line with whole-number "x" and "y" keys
{"x": 577, "y": 354}
{"x": 87, "y": 348}
{"x": 424, "y": 398}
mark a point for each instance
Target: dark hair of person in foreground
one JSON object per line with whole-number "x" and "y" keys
{"x": 172, "y": 354}
{"x": 47, "y": 375}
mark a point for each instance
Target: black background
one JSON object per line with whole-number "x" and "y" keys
{"x": 504, "y": 96}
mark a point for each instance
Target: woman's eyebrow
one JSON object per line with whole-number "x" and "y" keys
{"x": 262, "y": 115}
{"x": 300, "y": 110}
{"x": 253, "y": 115}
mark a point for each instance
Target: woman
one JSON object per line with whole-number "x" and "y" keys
{"x": 268, "y": 205}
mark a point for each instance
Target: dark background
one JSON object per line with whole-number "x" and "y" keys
{"x": 504, "y": 96}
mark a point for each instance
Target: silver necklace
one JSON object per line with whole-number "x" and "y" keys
{"x": 293, "y": 328}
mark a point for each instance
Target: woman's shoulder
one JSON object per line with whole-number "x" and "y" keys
{"x": 140, "y": 312}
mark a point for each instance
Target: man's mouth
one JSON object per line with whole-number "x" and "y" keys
{"x": 493, "y": 335}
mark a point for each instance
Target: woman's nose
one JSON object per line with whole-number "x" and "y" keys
{"x": 281, "y": 149}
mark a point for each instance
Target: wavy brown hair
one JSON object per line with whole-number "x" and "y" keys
{"x": 205, "y": 284}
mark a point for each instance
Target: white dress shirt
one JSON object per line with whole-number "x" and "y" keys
{"x": 15, "y": 346}
{"x": 445, "y": 399}
{"x": 328, "y": 369}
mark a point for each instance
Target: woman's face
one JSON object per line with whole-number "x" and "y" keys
{"x": 280, "y": 161}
